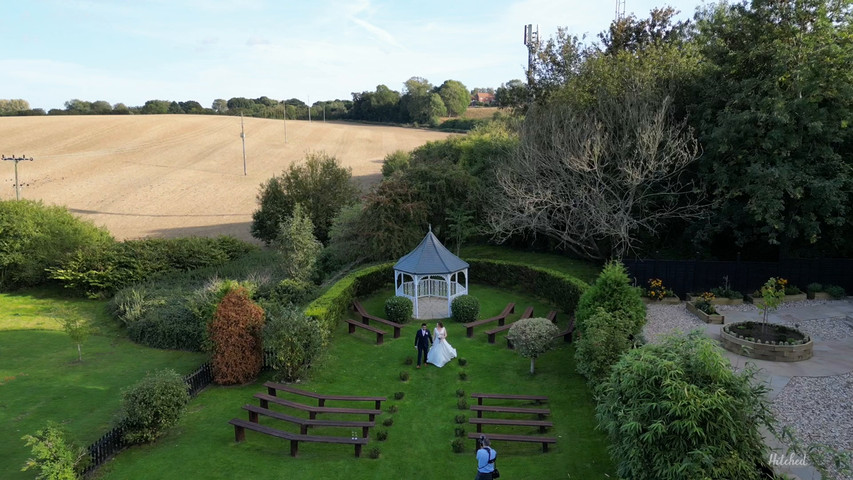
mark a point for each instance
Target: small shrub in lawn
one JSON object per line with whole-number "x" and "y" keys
{"x": 409, "y": 360}
{"x": 462, "y": 361}
{"x": 458, "y": 445}
{"x": 404, "y": 376}
{"x": 392, "y": 409}
{"x": 464, "y": 309}
{"x": 374, "y": 452}
{"x": 463, "y": 376}
{"x": 460, "y": 393}
{"x": 460, "y": 432}
{"x": 399, "y": 395}
{"x": 382, "y": 435}
{"x": 461, "y": 419}
{"x": 152, "y": 405}
{"x": 462, "y": 404}
{"x": 399, "y": 309}
{"x": 388, "y": 422}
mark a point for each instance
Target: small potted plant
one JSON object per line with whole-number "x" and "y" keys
{"x": 657, "y": 293}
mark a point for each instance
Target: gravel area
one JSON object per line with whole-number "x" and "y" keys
{"x": 819, "y": 409}
{"x": 663, "y": 320}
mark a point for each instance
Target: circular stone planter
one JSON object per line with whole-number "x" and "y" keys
{"x": 774, "y": 352}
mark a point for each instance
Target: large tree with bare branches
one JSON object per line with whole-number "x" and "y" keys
{"x": 595, "y": 177}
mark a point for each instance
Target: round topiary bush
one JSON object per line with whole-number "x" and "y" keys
{"x": 459, "y": 432}
{"x": 388, "y": 422}
{"x": 375, "y": 452}
{"x": 404, "y": 376}
{"x": 458, "y": 445}
{"x": 462, "y": 361}
{"x": 399, "y": 395}
{"x": 399, "y": 309}
{"x": 152, "y": 405}
{"x": 382, "y": 435}
{"x": 393, "y": 409}
{"x": 463, "y": 376}
{"x": 462, "y": 404}
{"x": 464, "y": 309}
{"x": 461, "y": 419}
{"x": 460, "y": 393}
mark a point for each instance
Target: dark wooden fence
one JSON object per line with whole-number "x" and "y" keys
{"x": 685, "y": 276}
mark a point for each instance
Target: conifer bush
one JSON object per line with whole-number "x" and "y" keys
{"x": 613, "y": 292}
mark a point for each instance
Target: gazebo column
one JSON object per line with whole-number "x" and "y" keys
{"x": 416, "y": 280}
{"x": 447, "y": 283}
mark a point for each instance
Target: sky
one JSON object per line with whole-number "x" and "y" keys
{"x": 130, "y": 51}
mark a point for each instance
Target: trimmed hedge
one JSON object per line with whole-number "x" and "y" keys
{"x": 465, "y": 309}
{"x": 399, "y": 309}
{"x": 331, "y": 306}
{"x": 561, "y": 289}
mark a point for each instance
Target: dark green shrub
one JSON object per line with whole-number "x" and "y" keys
{"x": 388, "y": 422}
{"x": 814, "y": 287}
{"x": 460, "y": 392}
{"x": 375, "y": 452}
{"x": 464, "y": 309}
{"x": 399, "y": 395}
{"x": 458, "y": 445}
{"x": 404, "y": 376}
{"x": 459, "y": 432}
{"x": 612, "y": 291}
{"x": 835, "y": 291}
{"x": 292, "y": 291}
{"x": 667, "y": 409}
{"x": 409, "y": 360}
{"x": 294, "y": 339}
{"x": 168, "y": 326}
{"x": 462, "y": 361}
{"x": 399, "y": 309}
{"x": 462, "y": 404}
{"x": 463, "y": 375}
{"x": 606, "y": 339}
{"x": 394, "y": 161}
{"x": 381, "y": 435}
{"x": 35, "y": 237}
{"x": 393, "y": 409}
{"x": 461, "y": 419}
{"x": 54, "y": 457}
{"x": 152, "y": 405}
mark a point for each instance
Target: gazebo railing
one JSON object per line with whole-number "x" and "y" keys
{"x": 431, "y": 287}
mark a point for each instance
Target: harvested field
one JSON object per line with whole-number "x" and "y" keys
{"x": 177, "y": 175}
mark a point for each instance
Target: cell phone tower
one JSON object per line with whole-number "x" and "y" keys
{"x": 531, "y": 41}
{"x": 620, "y": 9}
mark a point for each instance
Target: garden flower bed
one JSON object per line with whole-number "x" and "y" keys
{"x": 705, "y": 317}
{"x": 776, "y": 343}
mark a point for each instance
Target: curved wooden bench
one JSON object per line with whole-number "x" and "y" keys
{"x": 366, "y": 318}
{"x": 266, "y": 399}
{"x": 240, "y": 427}
{"x": 541, "y": 412}
{"x": 545, "y": 441}
{"x": 567, "y": 333}
{"x": 469, "y": 327}
{"x": 304, "y": 423}
{"x": 528, "y": 312}
{"x": 508, "y": 396}
{"x": 479, "y": 422}
{"x": 379, "y": 333}
{"x": 273, "y": 387}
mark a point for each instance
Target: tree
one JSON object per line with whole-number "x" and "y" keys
{"x": 54, "y": 457}
{"x": 175, "y": 108}
{"x": 512, "y": 94}
{"x": 157, "y": 107}
{"x": 320, "y": 184}
{"x": 77, "y": 328}
{"x": 191, "y": 107}
{"x": 632, "y": 35}
{"x": 13, "y": 106}
{"x": 297, "y": 245}
{"x": 78, "y": 107}
{"x": 773, "y": 114}
{"x": 555, "y": 62}
{"x": 393, "y": 220}
{"x": 101, "y": 107}
{"x": 417, "y": 100}
{"x": 120, "y": 109}
{"x": 460, "y": 225}
{"x": 455, "y": 97}
{"x": 595, "y": 178}
{"x": 235, "y": 336}
{"x": 606, "y": 337}
{"x": 220, "y": 105}
{"x": 613, "y": 292}
{"x": 295, "y": 339}
{"x": 532, "y": 337}
{"x": 677, "y": 410}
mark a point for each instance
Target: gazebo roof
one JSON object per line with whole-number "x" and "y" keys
{"x": 430, "y": 257}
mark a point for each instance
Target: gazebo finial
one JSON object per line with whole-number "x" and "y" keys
{"x": 430, "y": 227}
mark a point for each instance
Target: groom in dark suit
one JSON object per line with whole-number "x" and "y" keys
{"x": 423, "y": 340}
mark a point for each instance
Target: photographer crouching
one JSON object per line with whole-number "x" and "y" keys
{"x": 486, "y": 456}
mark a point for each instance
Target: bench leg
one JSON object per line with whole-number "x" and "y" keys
{"x": 365, "y": 431}
{"x": 379, "y": 339}
{"x": 253, "y": 417}
{"x": 509, "y": 344}
{"x": 264, "y": 403}
{"x": 378, "y": 405}
{"x": 303, "y": 429}
{"x": 492, "y": 338}
{"x": 312, "y": 415}
{"x": 271, "y": 391}
{"x": 294, "y": 447}
{"x": 371, "y": 417}
{"x": 501, "y": 321}
{"x": 542, "y": 429}
{"x": 351, "y": 328}
{"x": 239, "y": 433}
{"x": 544, "y": 447}
{"x": 396, "y": 332}
{"x": 357, "y": 450}
{"x": 321, "y": 402}
{"x": 469, "y": 332}
{"x": 479, "y": 414}
{"x": 479, "y": 428}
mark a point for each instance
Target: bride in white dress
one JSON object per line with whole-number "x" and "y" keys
{"x": 441, "y": 352}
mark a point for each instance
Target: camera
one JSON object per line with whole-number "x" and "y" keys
{"x": 480, "y": 441}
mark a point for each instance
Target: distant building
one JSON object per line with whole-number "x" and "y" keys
{"x": 487, "y": 99}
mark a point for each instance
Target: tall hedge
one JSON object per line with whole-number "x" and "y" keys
{"x": 613, "y": 292}
{"x": 235, "y": 334}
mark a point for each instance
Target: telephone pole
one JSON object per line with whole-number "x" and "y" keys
{"x": 285, "y": 121}
{"x": 17, "y": 183}
{"x": 243, "y": 136}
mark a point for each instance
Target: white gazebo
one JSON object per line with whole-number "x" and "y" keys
{"x": 431, "y": 277}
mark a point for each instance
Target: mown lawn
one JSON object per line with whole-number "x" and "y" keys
{"x": 419, "y": 441}
{"x": 41, "y": 379}
{"x": 581, "y": 269}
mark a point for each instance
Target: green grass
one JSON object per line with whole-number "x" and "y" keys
{"x": 41, "y": 379}
{"x": 584, "y": 270}
{"x": 418, "y": 444}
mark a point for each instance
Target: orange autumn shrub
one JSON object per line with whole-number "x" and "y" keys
{"x": 235, "y": 334}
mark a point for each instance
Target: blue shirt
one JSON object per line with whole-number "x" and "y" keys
{"x": 483, "y": 456}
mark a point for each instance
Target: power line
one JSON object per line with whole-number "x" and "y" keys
{"x": 17, "y": 184}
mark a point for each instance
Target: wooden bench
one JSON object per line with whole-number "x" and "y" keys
{"x": 366, "y": 318}
{"x": 241, "y": 425}
{"x": 528, "y": 312}
{"x": 304, "y": 423}
{"x": 469, "y": 327}
{"x": 379, "y": 333}
{"x": 567, "y": 333}
{"x": 552, "y": 315}
{"x": 508, "y": 396}
{"x": 265, "y": 400}
{"x": 542, "y": 424}
{"x": 273, "y": 387}
{"x": 541, "y": 412}
{"x": 516, "y": 438}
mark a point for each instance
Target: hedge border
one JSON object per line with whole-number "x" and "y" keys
{"x": 559, "y": 288}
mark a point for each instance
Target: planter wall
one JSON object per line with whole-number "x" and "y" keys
{"x": 819, "y": 296}
{"x": 718, "y": 301}
{"x": 716, "y": 319}
{"x": 663, "y": 301}
{"x": 763, "y": 351}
